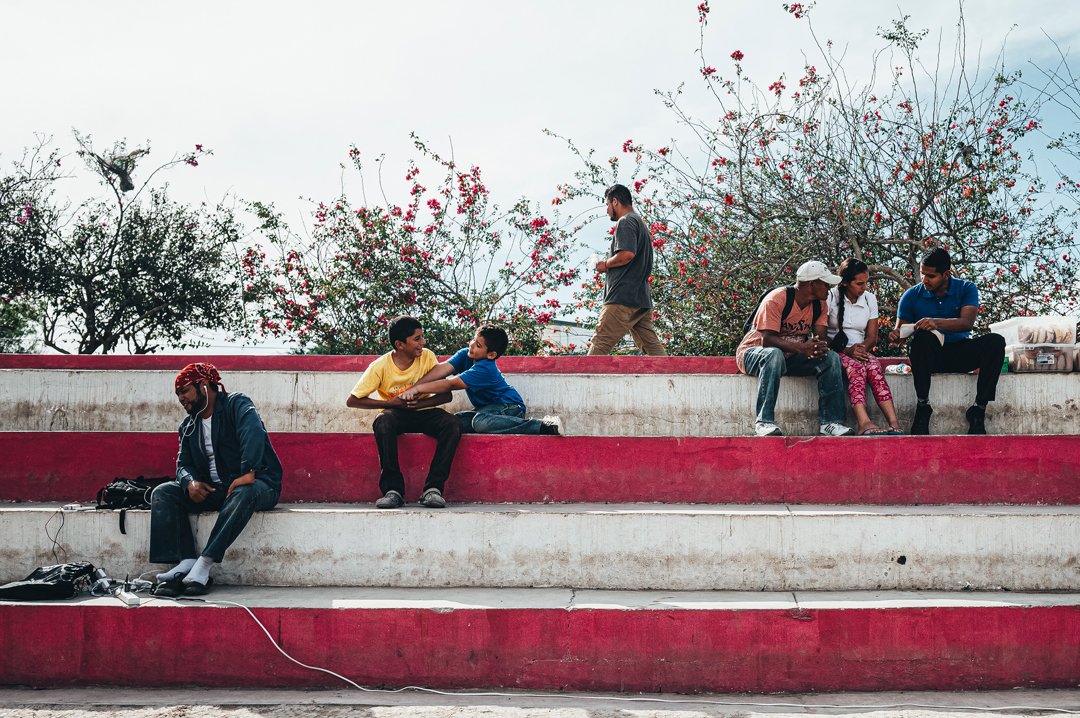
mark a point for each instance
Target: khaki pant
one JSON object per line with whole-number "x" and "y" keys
{"x": 618, "y": 319}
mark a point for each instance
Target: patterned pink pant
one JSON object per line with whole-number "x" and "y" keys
{"x": 858, "y": 374}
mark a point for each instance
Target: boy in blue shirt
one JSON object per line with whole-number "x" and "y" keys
{"x": 498, "y": 408}
{"x": 945, "y": 306}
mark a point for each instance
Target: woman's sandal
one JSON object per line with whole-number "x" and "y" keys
{"x": 874, "y": 431}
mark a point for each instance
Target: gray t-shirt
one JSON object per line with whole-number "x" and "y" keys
{"x": 629, "y": 284}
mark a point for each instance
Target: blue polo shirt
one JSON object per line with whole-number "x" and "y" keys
{"x": 918, "y": 303}
{"x": 484, "y": 383}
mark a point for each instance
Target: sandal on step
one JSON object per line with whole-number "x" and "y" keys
{"x": 198, "y": 589}
{"x": 173, "y": 588}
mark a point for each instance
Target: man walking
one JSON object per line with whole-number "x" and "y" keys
{"x": 628, "y": 306}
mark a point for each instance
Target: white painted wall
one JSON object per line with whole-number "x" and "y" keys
{"x": 672, "y": 547}
{"x": 590, "y": 404}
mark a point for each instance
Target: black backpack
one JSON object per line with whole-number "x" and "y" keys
{"x": 789, "y": 302}
{"x": 64, "y": 580}
{"x": 124, "y": 494}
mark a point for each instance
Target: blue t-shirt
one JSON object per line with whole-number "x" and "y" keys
{"x": 484, "y": 383}
{"x": 918, "y": 303}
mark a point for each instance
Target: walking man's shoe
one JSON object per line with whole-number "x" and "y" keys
{"x": 976, "y": 418}
{"x": 921, "y": 425}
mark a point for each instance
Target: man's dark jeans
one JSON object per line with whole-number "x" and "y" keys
{"x": 442, "y": 426}
{"x": 929, "y": 356}
{"x": 171, "y": 539}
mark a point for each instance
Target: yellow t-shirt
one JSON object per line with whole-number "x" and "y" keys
{"x": 384, "y": 377}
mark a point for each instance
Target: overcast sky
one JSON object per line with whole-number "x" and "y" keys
{"x": 279, "y": 90}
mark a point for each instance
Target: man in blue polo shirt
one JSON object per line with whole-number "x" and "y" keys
{"x": 498, "y": 408}
{"x": 943, "y": 310}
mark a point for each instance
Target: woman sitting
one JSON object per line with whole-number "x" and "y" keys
{"x": 853, "y": 333}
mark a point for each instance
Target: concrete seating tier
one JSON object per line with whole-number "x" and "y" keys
{"x": 769, "y": 565}
{"x": 553, "y": 639}
{"x": 73, "y": 466}
{"x": 597, "y": 546}
{"x": 648, "y": 396}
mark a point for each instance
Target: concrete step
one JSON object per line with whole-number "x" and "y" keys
{"x": 603, "y": 546}
{"x": 597, "y": 404}
{"x": 72, "y": 466}
{"x": 552, "y": 639}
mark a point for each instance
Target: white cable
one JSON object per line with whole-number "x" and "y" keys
{"x": 628, "y": 699}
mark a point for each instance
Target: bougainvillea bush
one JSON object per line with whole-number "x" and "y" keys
{"x": 446, "y": 254}
{"x": 815, "y": 165}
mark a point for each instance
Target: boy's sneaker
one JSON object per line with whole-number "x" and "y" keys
{"x": 835, "y": 428}
{"x": 551, "y": 426}
{"x": 920, "y": 426}
{"x": 392, "y": 500}
{"x": 976, "y": 418}
{"x": 433, "y": 499}
{"x": 767, "y": 428}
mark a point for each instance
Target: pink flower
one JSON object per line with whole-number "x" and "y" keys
{"x": 777, "y": 87}
{"x": 706, "y": 71}
{"x": 737, "y": 56}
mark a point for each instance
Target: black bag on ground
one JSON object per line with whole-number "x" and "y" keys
{"x": 128, "y": 493}
{"x": 789, "y": 302}
{"x": 49, "y": 582}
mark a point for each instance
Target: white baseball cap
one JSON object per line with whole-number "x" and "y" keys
{"x": 812, "y": 270}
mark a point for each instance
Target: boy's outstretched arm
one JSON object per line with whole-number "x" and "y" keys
{"x": 439, "y": 386}
{"x": 439, "y": 371}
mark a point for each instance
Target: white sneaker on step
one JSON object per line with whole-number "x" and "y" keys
{"x": 835, "y": 428}
{"x": 767, "y": 428}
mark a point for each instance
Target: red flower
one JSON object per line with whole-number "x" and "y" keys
{"x": 737, "y": 55}
{"x": 777, "y": 87}
{"x": 729, "y": 199}
{"x": 706, "y": 71}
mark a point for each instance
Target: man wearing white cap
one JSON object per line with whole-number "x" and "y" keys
{"x": 787, "y": 336}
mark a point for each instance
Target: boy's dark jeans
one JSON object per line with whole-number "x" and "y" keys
{"x": 929, "y": 356}
{"x": 171, "y": 539}
{"x": 442, "y": 426}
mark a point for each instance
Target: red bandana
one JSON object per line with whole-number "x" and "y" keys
{"x": 192, "y": 373}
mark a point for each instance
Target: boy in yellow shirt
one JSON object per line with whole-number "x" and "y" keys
{"x": 389, "y": 376}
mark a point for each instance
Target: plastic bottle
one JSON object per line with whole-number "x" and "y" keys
{"x": 898, "y": 369}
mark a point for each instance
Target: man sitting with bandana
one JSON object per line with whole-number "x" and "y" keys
{"x": 225, "y": 464}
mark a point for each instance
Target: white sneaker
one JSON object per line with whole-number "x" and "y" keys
{"x": 767, "y": 428}
{"x": 552, "y": 426}
{"x": 834, "y": 428}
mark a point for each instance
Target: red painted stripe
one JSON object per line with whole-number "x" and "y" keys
{"x": 355, "y": 364}
{"x": 71, "y": 466}
{"x": 686, "y": 651}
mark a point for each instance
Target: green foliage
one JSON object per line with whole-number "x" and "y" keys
{"x": 17, "y": 328}
{"x": 449, "y": 256}
{"x": 826, "y": 170}
{"x": 140, "y": 271}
